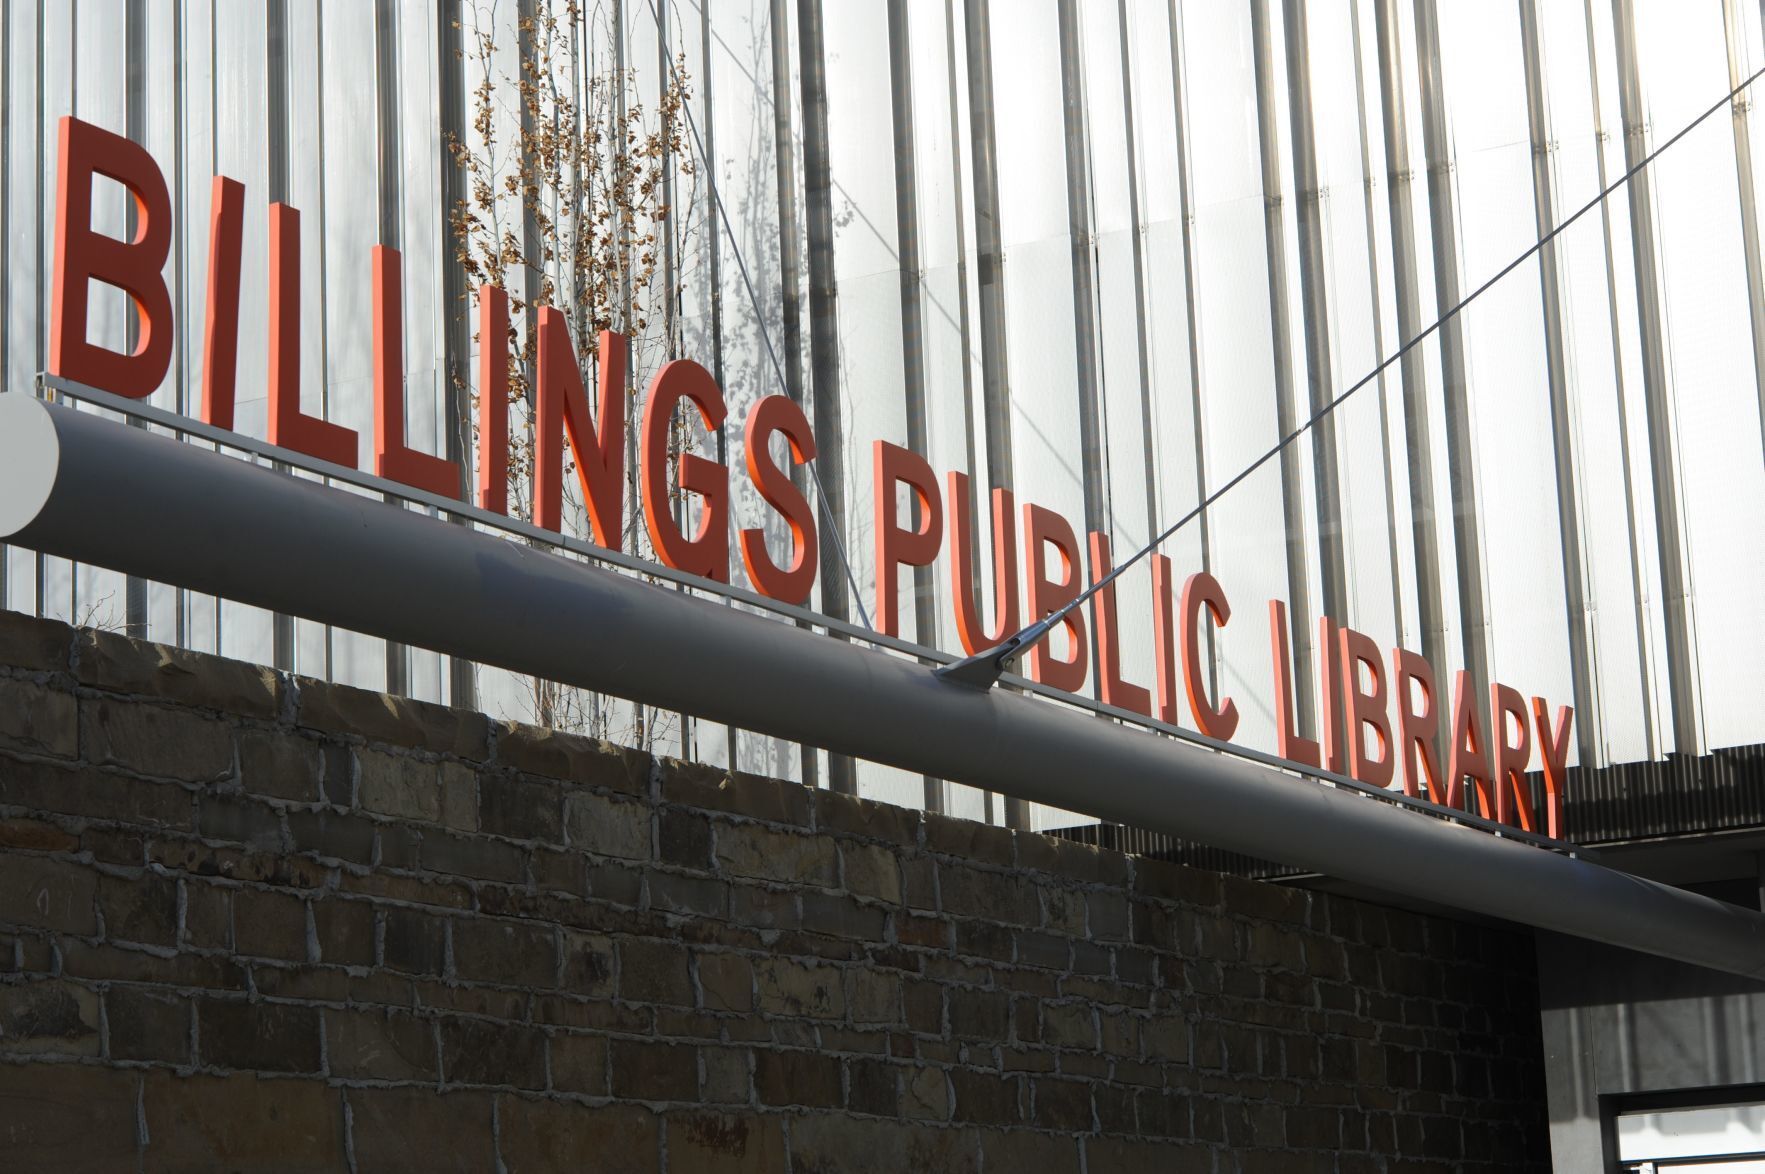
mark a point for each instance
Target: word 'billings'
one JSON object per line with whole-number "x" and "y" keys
{"x": 1491, "y": 749}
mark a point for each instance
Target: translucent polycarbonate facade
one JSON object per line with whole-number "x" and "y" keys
{"x": 1104, "y": 253}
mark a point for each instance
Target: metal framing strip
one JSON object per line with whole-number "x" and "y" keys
{"x": 107, "y": 494}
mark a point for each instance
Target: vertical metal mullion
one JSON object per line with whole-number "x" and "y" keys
{"x": 989, "y": 248}
{"x": 790, "y": 264}
{"x": 135, "y": 112}
{"x": 1314, "y": 296}
{"x": 1191, "y": 283}
{"x": 731, "y": 742}
{"x": 1749, "y": 207}
{"x": 824, "y": 340}
{"x": 391, "y": 218}
{"x": 276, "y": 51}
{"x": 1315, "y": 299}
{"x": 1677, "y": 611}
{"x": 456, "y": 321}
{"x": 1460, "y": 457}
{"x": 912, "y": 310}
{"x": 990, "y": 278}
{"x": 1081, "y": 236}
{"x": 1418, "y": 443}
{"x": 1148, "y": 426}
{"x": 1377, "y": 317}
{"x": 1583, "y": 679}
{"x": 1293, "y": 513}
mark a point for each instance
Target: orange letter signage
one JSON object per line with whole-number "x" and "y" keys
{"x": 220, "y": 337}
{"x": 1043, "y": 528}
{"x": 1116, "y": 691}
{"x": 1203, "y": 589}
{"x": 707, "y": 551}
{"x": 778, "y": 413}
{"x": 1365, "y": 708}
{"x": 393, "y": 459}
{"x": 1288, "y": 743}
{"x": 891, "y": 465}
{"x": 83, "y": 256}
{"x": 964, "y": 582}
{"x": 289, "y": 426}
{"x": 599, "y": 454}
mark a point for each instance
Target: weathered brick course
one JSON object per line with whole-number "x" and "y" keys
{"x": 253, "y": 922}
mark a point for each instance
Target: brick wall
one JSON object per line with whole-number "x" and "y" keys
{"x": 255, "y": 922}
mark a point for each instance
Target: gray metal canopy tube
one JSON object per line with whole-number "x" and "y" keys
{"x": 79, "y": 486}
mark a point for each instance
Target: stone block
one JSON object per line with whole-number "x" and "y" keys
{"x": 999, "y": 896}
{"x": 34, "y": 645}
{"x": 832, "y": 1143}
{"x": 873, "y": 995}
{"x": 332, "y": 834}
{"x": 483, "y": 1051}
{"x": 414, "y": 941}
{"x": 268, "y": 924}
{"x": 540, "y": 1137}
{"x": 788, "y": 987}
{"x": 118, "y": 664}
{"x": 418, "y": 1129}
{"x": 1125, "y": 1156}
{"x": 67, "y": 1118}
{"x": 727, "y": 1078}
{"x": 711, "y": 789}
{"x": 107, "y": 963}
{"x": 979, "y": 1014}
{"x": 381, "y": 1044}
{"x": 48, "y": 894}
{"x": 508, "y": 953}
{"x": 143, "y": 1024}
{"x": 574, "y": 758}
{"x": 44, "y": 787}
{"x": 141, "y": 908}
{"x": 654, "y": 971}
{"x": 925, "y": 1093}
{"x": 156, "y": 740}
{"x": 49, "y": 1017}
{"x": 398, "y": 785}
{"x": 241, "y": 1123}
{"x": 588, "y": 964}
{"x": 720, "y": 1143}
{"x": 239, "y": 820}
{"x": 478, "y": 857}
{"x": 521, "y": 808}
{"x": 727, "y": 981}
{"x": 208, "y": 916}
{"x": 753, "y": 850}
{"x": 799, "y": 1079}
{"x": 280, "y": 765}
{"x": 36, "y": 835}
{"x": 675, "y": 892}
{"x": 683, "y": 838}
{"x": 606, "y": 826}
{"x": 870, "y": 870}
{"x": 985, "y": 1098}
{"x": 648, "y": 1070}
{"x": 399, "y": 721}
{"x": 866, "y": 818}
{"x": 579, "y": 1063}
{"x": 259, "y": 1037}
{"x": 873, "y": 1086}
{"x": 981, "y": 843}
{"x": 38, "y": 719}
{"x": 345, "y": 932}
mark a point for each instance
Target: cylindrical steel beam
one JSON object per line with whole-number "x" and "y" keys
{"x": 82, "y": 487}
